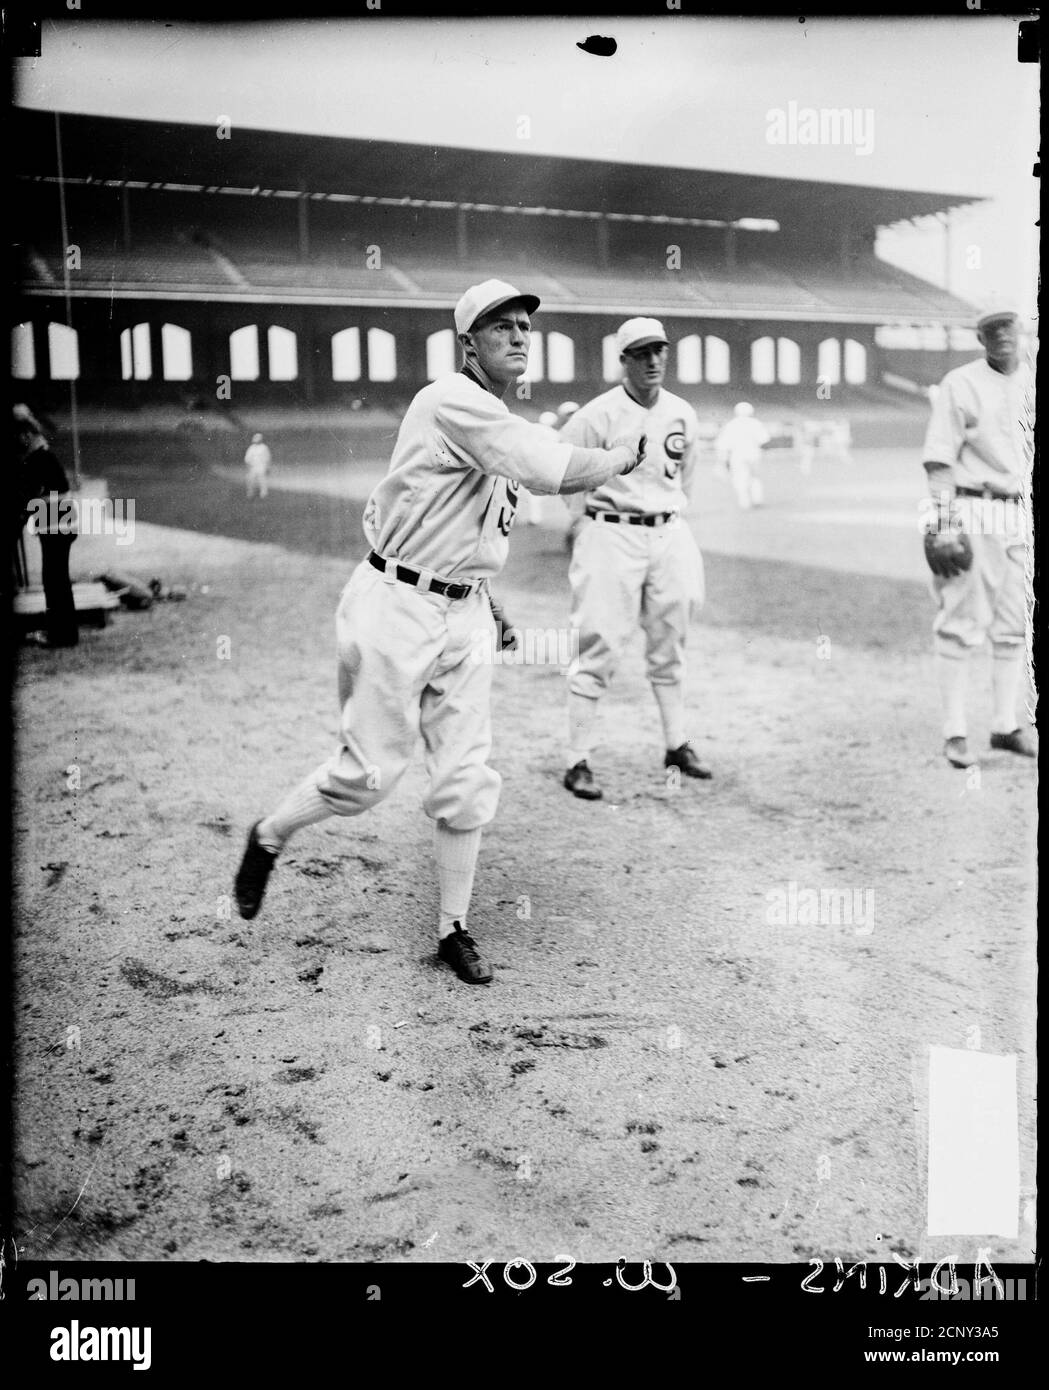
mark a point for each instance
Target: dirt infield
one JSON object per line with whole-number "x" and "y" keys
{"x": 660, "y": 1068}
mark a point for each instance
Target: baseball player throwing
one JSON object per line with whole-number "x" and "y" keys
{"x": 439, "y": 525}
{"x": 633, "y": 558}
{"x": 976, "y": 451}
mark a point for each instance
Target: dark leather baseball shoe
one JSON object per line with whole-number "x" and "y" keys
{"x": 255, "y": 869}
{"x": 580, "y": 782}
{"x": 459, "y": 950}
{"x": 685, "y": 759}
{"x": 1019, "y": 741}
{"x": 956, "y": 751}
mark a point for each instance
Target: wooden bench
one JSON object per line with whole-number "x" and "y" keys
{"x": 93, "y": 604}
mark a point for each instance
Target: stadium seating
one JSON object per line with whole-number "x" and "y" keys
{"x": 181, "y": 257}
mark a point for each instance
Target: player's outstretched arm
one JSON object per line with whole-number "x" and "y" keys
{"x": 589, "y": 468}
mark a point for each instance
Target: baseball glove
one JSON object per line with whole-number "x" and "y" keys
{"x": 948, "y": 550}
{"x": 506, "y": 634}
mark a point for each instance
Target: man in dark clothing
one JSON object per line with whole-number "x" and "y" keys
{"x": 39, "y": 475}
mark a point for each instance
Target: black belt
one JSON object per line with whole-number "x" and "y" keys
{"x": 437, "y": 586}
{"x": 988, "y": 493}
{"x": 632, "y": 518}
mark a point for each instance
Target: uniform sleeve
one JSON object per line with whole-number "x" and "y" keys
{"x": 489, "y": 438}
{"x": 582, "y": 431}
{"x": 946, "y": 432}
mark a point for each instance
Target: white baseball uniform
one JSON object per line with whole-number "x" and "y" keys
{"x": 979, "y": 432}
{"x": 257, "y": 459}
{"x": 407, "y": 655}
{"x": 739, "y": 443}
{"x": 623, "y": 573}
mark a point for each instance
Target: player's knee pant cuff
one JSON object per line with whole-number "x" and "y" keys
{"x": 957, "y": 648}
{"x": 465, "y": 802}
{"x": 589, "y": 684}
{"x": 349, "y": 791}
{"x": 350, "y": 801}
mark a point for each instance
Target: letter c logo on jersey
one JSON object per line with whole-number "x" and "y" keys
{"x": 674, "y": 447}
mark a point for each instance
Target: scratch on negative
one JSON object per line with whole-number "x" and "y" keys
{"x": 80, "y": 1194}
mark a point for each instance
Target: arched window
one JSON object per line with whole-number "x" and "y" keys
{"x": 611, "y": 367}
{"x": 23, "y": 353}
{"x": 346, "y": 355}
{"x": 716, "y": 361}
{"x": 64, "y": 347}
{"x": 177, "y": 352}
{"x": 136, "y": 353}
{"x": 763, "y": 361}
{"x": 855, "y": 362}
{"x": 689, "y": 359}
{"x": 440, "y": 354}
{"x": 534, "y": 370}
{"x": 244, "y": 353}
{"x": 560, "y": 357}
{"x": 828, "y": 362}
{"x": 788, "y": 361}
{"x": 283, "y": 353}
{"x": 382, "y": 355}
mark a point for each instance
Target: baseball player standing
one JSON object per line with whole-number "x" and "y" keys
{"x": 738, "y": 447}
{"x": 633, "y": 558}
{"x": 439, "y": 525}
{"x": 257, "y": 460}
{"x": 976, "y": 455}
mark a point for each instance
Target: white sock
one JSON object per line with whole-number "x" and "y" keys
{"x": 952, "y": 674}
{"x": 582, "y": 718}
{"x": 456, "y": 853}
{"x": 303, "y": 806}
{"x": 671, "y": 702}
{"x": 1007, "y": 669}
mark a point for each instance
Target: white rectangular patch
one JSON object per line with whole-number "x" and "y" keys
{"x": 974, "y": 1147}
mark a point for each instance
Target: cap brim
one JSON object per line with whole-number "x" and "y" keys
{"x": 530, "y": 301}
{"x": 999, "y": 316}
{"x": 644, "y": 342}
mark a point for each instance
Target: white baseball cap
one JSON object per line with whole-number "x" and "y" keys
{"x": 744, "y": 408}
{"x": 483, "y": 298}
{"x": 549, "y": 418}
{"x": 568, "y": 408}
{"x": 256, "y": 439}
{"x": 636, "y": 333}
{"x": 999, "y": 314}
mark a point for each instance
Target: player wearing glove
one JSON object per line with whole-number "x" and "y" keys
{"x": 977, "y": 454}
{"x": 439, "y": 525}
{"x": 948, "y": 550}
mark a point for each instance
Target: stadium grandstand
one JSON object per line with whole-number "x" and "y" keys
{"x": 156, "y": 261}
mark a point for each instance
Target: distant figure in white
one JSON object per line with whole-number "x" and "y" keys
{"x": 805, "y": 436}
{"x": 738, "y": 447}
{"x": 257, "y": 460}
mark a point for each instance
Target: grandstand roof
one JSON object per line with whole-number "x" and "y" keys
{"x": 105, "y": 147}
